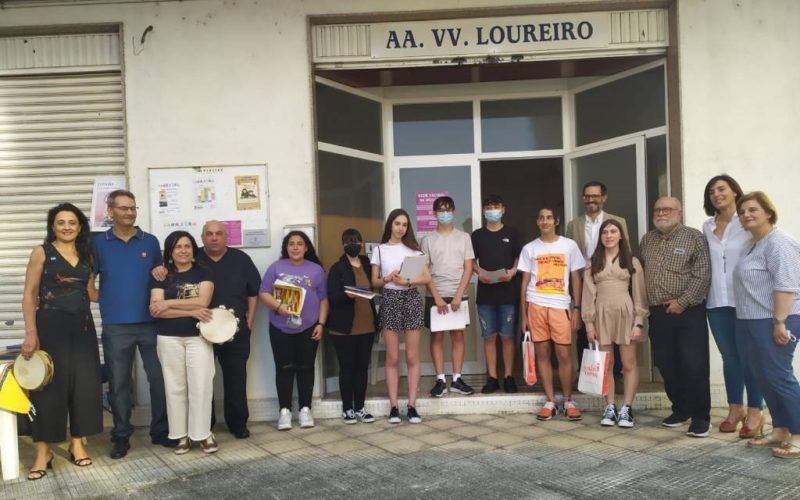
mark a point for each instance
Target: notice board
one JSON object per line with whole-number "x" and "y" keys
{"x": 184, "y": 198}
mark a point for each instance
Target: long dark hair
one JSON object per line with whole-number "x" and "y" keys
{"x": 708, "y": 206}
{"x": 408, "y": 239}
{"x": 311, "y": 253}
{"x": 169, "y": 246}
{"x": 624, "y": 256}
{"x": 82, "y": 244}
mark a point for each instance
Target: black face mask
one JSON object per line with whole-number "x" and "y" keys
{"x": 352, "y": 249}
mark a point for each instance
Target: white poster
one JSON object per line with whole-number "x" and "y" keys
{"x": 100, "y": 220}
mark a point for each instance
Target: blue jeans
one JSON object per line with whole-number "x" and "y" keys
{"x": 497, "y": 319}
{"x": 772, "y": 367}
{"x": 735, "y": 364}
{"x": 119, "y": 347}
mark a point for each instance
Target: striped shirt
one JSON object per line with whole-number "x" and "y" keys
{"x": 771, "y": 265}
{"x": 676, "y": 266}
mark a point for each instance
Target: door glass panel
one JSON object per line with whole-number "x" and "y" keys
{"x": 616, "y": 169}
{"x": 419, "y": 187}
{"x": 656, "y": 172}
{"x": 521, "y": 124}
{"x": 429, "y": 129}
{"x": 621, "y": 107}
{"x": 348, "y": 120}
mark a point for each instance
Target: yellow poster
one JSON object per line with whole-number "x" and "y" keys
{"x": 248, "y": 196}
{"x": 551, "y": 273}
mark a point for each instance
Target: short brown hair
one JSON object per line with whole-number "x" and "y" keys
{"x": 762, "y": 199}
{"x": 111, "y": 199}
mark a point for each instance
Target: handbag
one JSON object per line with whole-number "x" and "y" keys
{"x": 528, "y": 359}
{"x": 593, "y": 378}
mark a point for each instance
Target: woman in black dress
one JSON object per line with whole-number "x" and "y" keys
{"x": 59, "y": 283}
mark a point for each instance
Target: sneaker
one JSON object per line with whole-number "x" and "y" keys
{"x": 363, "y": 416}
{"x": 674, "y": 420}
{"x": 571, "y": 411}
{"x": 209, "y": 444}
{"x": 510, "y": 385}
{"x": 547, "y": 411}
{"x": 609, "y": 416}
{"x": 183, "y": 447}
{"x": 349, "y": 417}
{"x": 461, "y": 387}
{"x": 625, "y": 416}
{"x": 285, "y": 420}
{"x": 439, "y": 389}
{"x": 698, "y": 428}
{"x": 413, "y": 416}
{"x": 305, "y": 418}
{"x": 490, "y": 386}
{"x": 394, "y": 415}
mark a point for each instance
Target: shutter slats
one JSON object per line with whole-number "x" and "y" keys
{"x": 57, "y": 133}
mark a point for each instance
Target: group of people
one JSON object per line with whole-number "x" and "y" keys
{"x": 741, "y": 274}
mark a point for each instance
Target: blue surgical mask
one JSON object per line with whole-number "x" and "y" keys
{"x": 444, "y": 217}
{"x": 493, "y": 215}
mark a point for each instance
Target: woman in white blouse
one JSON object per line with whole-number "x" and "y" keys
{"x": 727, "y": 242}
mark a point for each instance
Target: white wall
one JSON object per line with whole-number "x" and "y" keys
{"x": 740, "y": 110}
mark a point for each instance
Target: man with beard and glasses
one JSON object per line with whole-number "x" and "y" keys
{"x": 677, "y": 278}
{"x": 585, "y": 231}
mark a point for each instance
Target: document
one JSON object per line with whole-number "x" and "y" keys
{"x": 452, "y": 320}
{"x": 412, "y": 266}
{"x": 493, "y": 276}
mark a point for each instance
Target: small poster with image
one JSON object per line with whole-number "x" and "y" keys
{"x": 248, "y": 196}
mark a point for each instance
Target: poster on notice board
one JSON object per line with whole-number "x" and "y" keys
{"x": 101, "y": 221}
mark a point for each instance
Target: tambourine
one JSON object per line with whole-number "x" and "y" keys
{"x": 35, "y": 373}
{"x": 223, "y": 326}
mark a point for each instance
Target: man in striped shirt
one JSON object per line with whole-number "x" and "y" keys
{"x": 677, "y": 276}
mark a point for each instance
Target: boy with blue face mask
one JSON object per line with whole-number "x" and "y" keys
{"x": 450, "y": 255}
{"x": 497, "y": 247}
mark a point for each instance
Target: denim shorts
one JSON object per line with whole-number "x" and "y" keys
{"x": 497, "y": 319}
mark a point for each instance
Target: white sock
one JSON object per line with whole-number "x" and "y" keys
{"x": 440, "y": 376}
{"x": 456, "y": 376}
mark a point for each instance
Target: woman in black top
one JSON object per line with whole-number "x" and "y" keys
{"x": 352, "y": 326}
{"x": 59, "y": 283}
{"x": 187, "y": 359}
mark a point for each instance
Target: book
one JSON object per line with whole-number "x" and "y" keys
{"x": 292, "y": 295}
{"x": 364, "y": 293}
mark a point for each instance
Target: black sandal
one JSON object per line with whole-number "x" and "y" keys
{"x": 37, "y": 474}
{"x": 80, "y": 462}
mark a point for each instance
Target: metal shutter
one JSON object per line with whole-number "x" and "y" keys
{"x": 57, "y": 133}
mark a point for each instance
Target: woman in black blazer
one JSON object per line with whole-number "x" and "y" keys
{"x": 352, "y": 323}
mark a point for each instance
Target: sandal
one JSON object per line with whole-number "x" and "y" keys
{"x": 765, "y": 442}
{"x": 37, "y": 474}
{"x": 787, "y": 450}
{"x": 80, "y": 462}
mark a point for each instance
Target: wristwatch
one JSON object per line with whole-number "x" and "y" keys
{"x": 776, "y": 321}
{"x": 408, "y": 281}
{"x": 577, "y": 306}
{"x": 320, "y": 323}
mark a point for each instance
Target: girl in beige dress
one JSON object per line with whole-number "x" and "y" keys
{"x": 614, "y": 307}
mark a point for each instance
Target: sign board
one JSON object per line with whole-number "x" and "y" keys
{"x": 185, "y": 198}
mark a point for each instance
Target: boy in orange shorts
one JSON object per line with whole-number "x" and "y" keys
{"x": 548, "y": 265}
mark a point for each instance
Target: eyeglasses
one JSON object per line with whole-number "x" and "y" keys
{"x": 592, "y": 196}
{"x": 126, "y": 209}
{"x": 664, "y": 210}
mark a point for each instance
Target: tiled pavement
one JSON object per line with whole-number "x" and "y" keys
{"x": 460, "y": 457}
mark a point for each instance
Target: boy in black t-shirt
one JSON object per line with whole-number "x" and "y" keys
{"x": 497, "y": 248}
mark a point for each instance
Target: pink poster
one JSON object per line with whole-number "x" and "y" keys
{"x": 426, "y": 217}
{"x": 234, "y": 228}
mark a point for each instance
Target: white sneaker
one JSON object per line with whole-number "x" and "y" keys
{"x": 305, "y": 418}
{"x": 285, "y": 420}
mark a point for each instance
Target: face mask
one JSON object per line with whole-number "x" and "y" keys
{"x": 444, "y": 217}
{"x": 352, "y": 249}
{"x": 493, "y": 215}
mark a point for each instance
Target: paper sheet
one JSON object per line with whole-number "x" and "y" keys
{"x": 457, "y": 320}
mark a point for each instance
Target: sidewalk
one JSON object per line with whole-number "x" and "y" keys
{"x": 459, "y": 457}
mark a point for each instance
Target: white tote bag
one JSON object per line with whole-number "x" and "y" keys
{"x": 594, "y": 369}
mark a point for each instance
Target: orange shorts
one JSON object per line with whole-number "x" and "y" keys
{"x": 547, "y": 323}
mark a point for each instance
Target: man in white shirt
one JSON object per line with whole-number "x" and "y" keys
{"x": 450, "y": 255}
{"x": 549, "y": 264}
{"x": 585, "y": 230}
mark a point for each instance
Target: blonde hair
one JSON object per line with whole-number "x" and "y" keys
{"x": 762, "y": 199}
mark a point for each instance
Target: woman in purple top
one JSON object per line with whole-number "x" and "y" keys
{"x": 295, "y": 337}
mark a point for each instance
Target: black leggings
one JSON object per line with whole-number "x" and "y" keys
{"x": 75, "y": 390}
{"x": 354, "y": 353}
{"x": 294, "y": 355}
